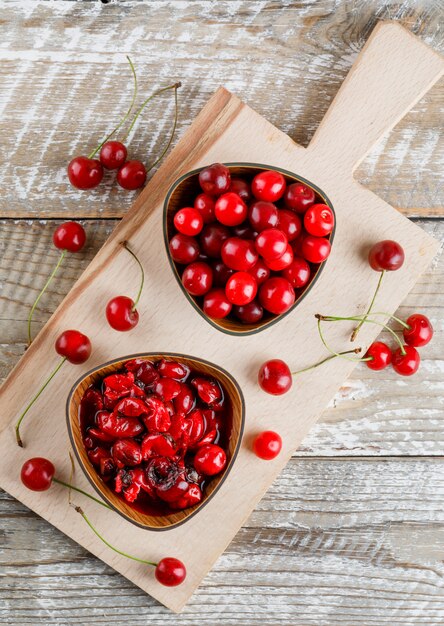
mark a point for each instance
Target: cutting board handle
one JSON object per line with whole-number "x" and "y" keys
{"x": 392, "y": 72}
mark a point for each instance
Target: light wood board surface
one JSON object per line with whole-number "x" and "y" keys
{"x": 401, "y": 419}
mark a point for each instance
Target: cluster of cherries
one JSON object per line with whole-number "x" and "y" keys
{"x": 156, "y": 432}
{"x": 247, "y": 249}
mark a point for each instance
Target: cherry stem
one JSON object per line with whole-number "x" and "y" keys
{"x": 128, "y": 556}
{"x": 45, "y": 384}
{"x": 143, "y": 105}
{"x": 329, "y": 358}
{"x": 74, "y": 488}
{"x": 176, "y": 110}
{"x": 37, "y": 300}
{"x": 125, "y": 117}
{"x": 334, "y": 353}
{"x": 378, "y": 286}
{"x": 393, "y": 317}
{"x": 125, "y": 245}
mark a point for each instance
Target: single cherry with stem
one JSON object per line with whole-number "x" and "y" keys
{"x": 74, "y": 347}
{"x": 67, "y": 237}
{"x": 121, "y": 311}
{"x": 380, "y": 354}
{"x": 406, "y": 360}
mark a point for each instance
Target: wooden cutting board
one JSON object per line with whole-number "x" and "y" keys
{"x": 391, "y": 73}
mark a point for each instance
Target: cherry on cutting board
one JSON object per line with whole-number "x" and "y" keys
{"x": 267, "y": 445}
{"x": 121, "y": 312}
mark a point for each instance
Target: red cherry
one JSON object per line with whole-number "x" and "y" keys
{"x": 172, "y": 369}
{"x": 188, "y": 221}
{"x": 221, "y": 273}
{"x": 69, "y": 236}
{"x": 216, "y": 304}
{"x": 37, "y": 474}
{"x": 276, "y": 295}
{"x": 132, "y": 175}
{"x": 241, "y": 288}
{"x": 242, "y": 188}
{"x": 113, "y": 155}
{"x": 420, "y": 332}
{"x": 167, "y": 388}
{"x": 297, "y": 273}
{"x": 121, "y": 314}
{"x": 283, "y": 261}
{"x": 386, "y": 255}
{"x": 290, "y": 224}
{"x": 299, "y": 197}
{"x": 205, "y": 205}
{"x": 275, "y": 377}
{"x": 239, "y": 254}
{"x": 381, "y": 356}
{"x": 197, "y": 278}
{"x": 250, "y": 313}
{"x": 74, "y": 346}
{"x": 260, "y": 272}
{"x": 244, "y": 231}
{"x": 267, "y": 445}
{"x": 212, "y": 238}
{"x": 85, "y": 173}
{"x": 183, "y": 249}
{"x": 271, "y": 243}
{"x": 408, "y": 363}
{"x": 315, "y": 249}
{"x": 268, "y": 186}
{"x": 170, "y": 572}
{"x": 210, "y": 459}
{"x": 230, "y": 209}
{"x": 215, "y": 179}
{"x": 319, "y": 220}
{"x": 263, "y": 215}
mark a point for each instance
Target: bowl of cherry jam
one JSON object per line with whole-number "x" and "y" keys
{"x": 246, "y": 242}
{"x": 156, "y": 434}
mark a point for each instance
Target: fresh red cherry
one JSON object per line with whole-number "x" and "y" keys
{"x": 216, "y": 304}
{"x": 85, "y": 173}
{"x": 210, "y": 459}
{"x": 69, "y": 236}
{"x": 197, "y": 278}
{"x": 74, "y": 346}
{"x": 386, "y": 255}
{"x": 121, "y": 313}
{"x": 319, "y": 220}
{"x": 299, "y": 197}
{"x": 408, "y": 363}
{"x": 184, "y": 249}
{"x": 250, "y": 313}
{"x": 230, "y": 209}
{"x": 170, "y": 572}
{"x": 221, "y": 273}
{"x": 283, "y": 261}
{"x": 205, "y": 205}
{"x": 215, "y": 179}
{"x": 260, "y": 272}
{"x": 289, "y": 223}
{"x": 132, "y": 175}
{"x": 276, "y": 295}
{"x": 267, "y": 445}
{"x": 263, "y": 215}
{"x": 315, "y": 249}
{"x": 242, "y": 188}
{"x": 271, "y": 243}
{"x": 380, "y": 354}
{"x": 241, "y": 288}
{"x": 113, "y": 155}
{"x": 212, "y": 238}
{"x": 275, "y": 377}
{"x": 269, "y": 186}
{"x": 420, "y": 330}
{"x": 239, "y": 254}
{"x": 37, "y": 474}
{"x": 297, "y": 273}
{"x": 188, "y": 221}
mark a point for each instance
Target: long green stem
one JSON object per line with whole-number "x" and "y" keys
{"x": 74, "y": 488}
{"x": 142, "y": 281}
{"x": 145, "y": 102}
{"x": 378, "y": 286}
{"x": 334, "y": 353}
{"x": 329, "y": 358}
{"x": 176, "y": 110}
{"x": 128, "y": 556}
{"x": 45, "y": 384}
{"x": 125, "y": 117}
{"x": 356, "y": 318}
{"x": 393, "y": 317}
{"x": 37, "y": 300}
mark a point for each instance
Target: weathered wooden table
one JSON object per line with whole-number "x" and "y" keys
{"x": 353, "y": 531}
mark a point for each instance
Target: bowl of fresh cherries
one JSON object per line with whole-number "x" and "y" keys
{"x": 246, "y": 242}
{"x": 156, "y": 434}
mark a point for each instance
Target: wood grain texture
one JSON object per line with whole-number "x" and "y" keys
{"x": 65, "y": 81}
